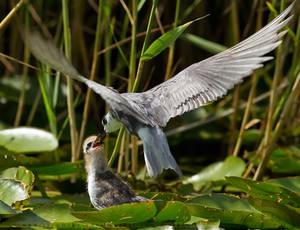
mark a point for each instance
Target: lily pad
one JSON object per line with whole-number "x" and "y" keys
{"x": 20, "y": 174}
{"x": 285, "y": 160}
{"x": 25, "y": 220}
{"x": 174, "y": 211}
{"x": 166, "y": 196}
{"x": 122, "y": 214}
{"x": 27, "y": 140}
{"x": 12, "y": 191}
{"x": 266, "y": 191}
{"x": 5, "y": 209}
{"x": 291, "y": 183}
{"x": 15, "y": 184}
{"x": 197, "y": 226}
{"x": 76, "y": 225}
{"x": 55, "y": 213}
{"x": 288, "y": 216}
{"x": 232, "y": 166}
{"x": 231, "y": 211}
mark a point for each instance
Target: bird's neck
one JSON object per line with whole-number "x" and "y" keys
{"x": 97, "y": 164}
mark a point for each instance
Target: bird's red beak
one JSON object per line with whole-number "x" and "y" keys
{"x": 98, "y": 142}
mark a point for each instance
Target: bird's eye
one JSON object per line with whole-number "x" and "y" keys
{"x": 89, "y": 145}
{"x": 104, "y": 121}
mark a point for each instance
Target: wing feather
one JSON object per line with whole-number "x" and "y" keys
{"x": 210, "y": 79}
{"x": 46, "y": 52}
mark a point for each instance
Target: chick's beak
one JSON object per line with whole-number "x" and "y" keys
{"x": 98, "y": 142}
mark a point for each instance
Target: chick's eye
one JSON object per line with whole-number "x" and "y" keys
{"x": 88, "y": 145}
{"x": 104, "y": 121}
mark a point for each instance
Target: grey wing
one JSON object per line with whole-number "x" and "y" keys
{"x": 210, "y": 79}
{"x": 47, "y": 53}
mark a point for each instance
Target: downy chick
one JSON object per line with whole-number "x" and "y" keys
{"x": 105, "y": 188}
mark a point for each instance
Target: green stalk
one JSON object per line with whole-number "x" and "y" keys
{"x": 66, "y": 121}
{"x": 25, "y": 73}
{"x": 270, "y": 121}
{"x": 172, "y": 47}
{"x": 145, "y": 46}
{"x": 132, "y": 63}
{"x": 250, "y": 97}
{"x": 236, "y": 34}
{"x": 56, "y": 90}
{"x": 122, "y": 37}
{"x": 278, "y": 129}
{"x": 190, "y": 9}
{"x": 42, "y": 78}
{"x": 33, "y": 108}
{"x": 132, "y": 70}
{"x": 92, "y": 77}
{"x": 122, "y": 155}
{"x": 71, "y": 112}
{"x": 107, "y": 55}
{"x": 293, "y": 68}
{"x": 138, "y": 77}
{"x": 117, "y": 147}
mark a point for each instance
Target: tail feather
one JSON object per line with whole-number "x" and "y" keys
{"x": 157, "y": 152}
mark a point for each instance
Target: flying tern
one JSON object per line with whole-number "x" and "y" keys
{"x": 145, "y": 114}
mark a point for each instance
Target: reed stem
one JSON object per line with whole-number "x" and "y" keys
{"x": 71, "y": 112}
{"x": 92, "y": 77}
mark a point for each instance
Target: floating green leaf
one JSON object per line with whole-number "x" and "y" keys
{"x": 285, "y": 160}
{"x": 6, "y": 209}
{"x": 288, "y": 216}
{"x": 15, "y": 184}
{"x": 291, "y": 183}
{"x": 27, "y": 140}
{"x": 174, "y": 211}
{"x": 197, "y": 226}
{"x": 55, "y": 213}
{"x": 43, "y": 215}
{"x": 164, "y": 41}
{"x": 232, "y": 166}
{"x": 76, "y": 225}
{"x": 230, "y": 210}
{"x": 266, "y": 191}
{"x": 214, "y": 223}
{"x": 166, "y": 196}
{"x": 12, "y": 191}
{"x": 20, "y": 174}
{"x": 122, "y": 214}
{"x": 25, "y": 220}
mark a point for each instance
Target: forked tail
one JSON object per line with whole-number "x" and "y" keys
{"x": 157, "y": 152}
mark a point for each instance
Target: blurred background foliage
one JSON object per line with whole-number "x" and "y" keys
{"x": 252, "y": 133}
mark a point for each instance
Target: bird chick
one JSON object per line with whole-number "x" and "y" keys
{"x": 105, "y": 188}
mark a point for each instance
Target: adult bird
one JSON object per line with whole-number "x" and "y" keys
{"x": 144, "y": 114}
{"x": 104, "y": 187}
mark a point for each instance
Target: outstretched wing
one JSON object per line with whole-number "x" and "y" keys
{"x": 210, "y": 79}
{"x": 47, "y": 53}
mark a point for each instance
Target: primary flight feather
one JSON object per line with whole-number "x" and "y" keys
{"x": 144, "y": 114}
